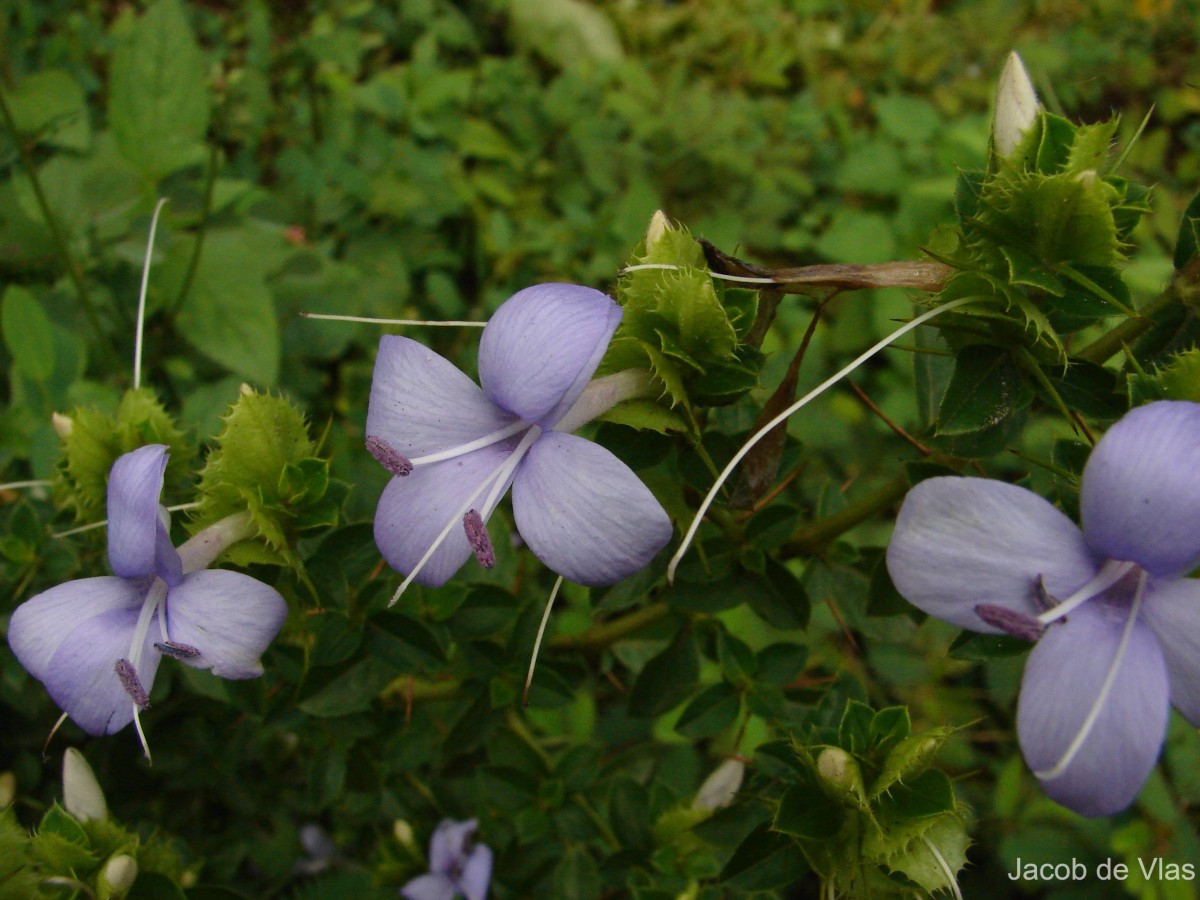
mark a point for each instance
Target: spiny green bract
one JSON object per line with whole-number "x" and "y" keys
{"x": 682, "y": 325}
{"x": 266, "y": 463}
{"x": 63, "y": 847}
{"x": 1040, "y": 239}
{"x": 92, "y": 441}
{"x": 872, "y": 811}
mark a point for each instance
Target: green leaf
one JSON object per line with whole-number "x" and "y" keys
{"x": 766, "y": 860}
{"x": 917, "y": 861}
{"x": 351, "y": 691}
{"x": 987, "y": 387}
{"x": 806, "y": 811}
{"x": 909, "y": 758}
{"x": 667, "y": 678}
{"x": 778, "y": 598}
{"x": 646, "y": 414}
{"x": 28, "y": 333}
{"x": 854, "y": 730}
{"x": 228, "y": 314}
{"x": 158, "y": 102}
{"x": 712, "y": 711}
{"x": 926, "y": 794}
{"x": 576, "y": 877}
{"x": 50, "y": 106}
{"x": 1187, "y": 245}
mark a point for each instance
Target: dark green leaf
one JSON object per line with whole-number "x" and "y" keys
{"x": 987, "y": 388}
{"x": 666, "y": 679}
{"x": 765, "y": 860}
{"x": 712, "y": 711}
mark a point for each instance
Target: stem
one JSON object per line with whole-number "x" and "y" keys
{"x": 57, "y": 237}
{"x": 1108, "y": 345}
{"x": 199, "y": 551}
{"x": 600, "y": 636}
{"x": 194, "y": 263}
{"x": 812, "y": 539}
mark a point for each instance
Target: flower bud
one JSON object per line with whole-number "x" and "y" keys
{"x": 62, "y": 425}
{"x": 721, "y": 786}
{"x": 659, "y": 225}
{"x": 118, "y": 876}
{"x": 82, "y": 796}
{"x": 403, "y": 833}
{"x": 840, "y": 771}
{"x": 8, "y": 789}
{"x": 1016, "y": 106}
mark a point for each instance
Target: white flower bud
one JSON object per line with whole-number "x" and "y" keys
{"x": 120, "y": 873}
{"x": 721, "y": 786}
{"x": 62, "y": 425}
{"x": 659, "y": 225}
{"x": 1016, "y": 106}
{"x": 403, "y": 832}
{"x": 82, "y": 796}
{"x": 840, "y": 770}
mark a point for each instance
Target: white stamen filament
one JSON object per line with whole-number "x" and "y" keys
{"x": 537, "y": 642}
{"x": 15, "y": 485}
{"x": 141, "y": 312}
{"x": 103, "y": 522}
{"x": 783, "y": 416}
{"x": 745, "y": 279}
{"x": 945, "y": 867}
{"x": 486, "y": 441}
{"x": 498, "y": 476}
{"x": 1110, "y": 573}
{"x": 372, "y": 321}
{"x": 1105, "y": 689}
{"x": 155, "y": 597}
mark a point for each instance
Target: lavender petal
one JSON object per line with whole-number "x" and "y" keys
{"x": 1141, "y": 489}
{"x": 430, "y": 887}
{"x": 413, "y": 511}
{"x": 584, "y": 513}
{"x": 229, "y": 617}
{"x": 40, "y": 624}
{"x": 1172, "y": 610}
{"x": 81, "y": 676}
{"x": 421, "y": 403}
{"x": 1062, "y": 681}
{"x": 476, "y": 873}
{"x": 960, "y": 542}
{"x": 542, "y": 346}
{"x": 134, "y": 485}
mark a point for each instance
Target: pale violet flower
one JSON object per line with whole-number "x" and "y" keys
{"x": 457, "y": 865}
{"x": 95, "y": 643}
{"x": 1116, "y": 621}
{"x": 456, "y": 448}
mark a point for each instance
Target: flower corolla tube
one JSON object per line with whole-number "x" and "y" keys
{"x": 456, "y": 447}
{"x": 1115, "y": 619}
{"x": 96, "y": 643}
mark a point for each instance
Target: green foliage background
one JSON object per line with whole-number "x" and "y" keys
{"x": 427, "y": 159}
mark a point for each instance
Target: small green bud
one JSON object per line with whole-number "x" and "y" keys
{"x": 659, "y": 226}
{"x": 403, "y": 833}
{"x": 62, "y": 425}
{"x": 8, "y": 789}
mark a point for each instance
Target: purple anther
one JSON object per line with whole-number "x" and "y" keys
{"x": 176, "y": 650}
{"x": 132, "y": 684}
{"x": 389, "y": 457}
{"x": 1010, "y": 621}
{"x": 477, "y": 536}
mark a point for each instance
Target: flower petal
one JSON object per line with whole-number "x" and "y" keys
{"x": 477, "y": 873}
{"x": 962, "y": 542}
{"x": 134, "y": 485}
{"x": 584, "y": 513}
{"x": 229, "y": 617}
{"x": 413, "y": 511}
{"x": 1141, "y": 489}
{"x": 542, "y": 346}
{"x": 40, "y": 624}
{"x": 448, "y": 846}
{"x": 1063, "y": 678}
{"x": 81, "y": 675}
{"x": 1172, "y": 610}
{"x": 430, "y": 887}
{"x": 421, "y": 403}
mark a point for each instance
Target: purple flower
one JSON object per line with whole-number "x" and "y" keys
{"x": 456, "y": 448}
{"x": 1116, "y": 622}
{"x": 95, "y": 643}
{"x": 453, "y": 868}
